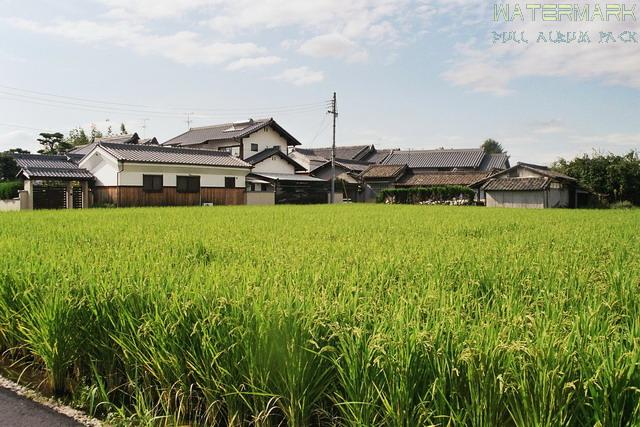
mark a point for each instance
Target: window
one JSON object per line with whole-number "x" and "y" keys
{"x": 188, "y": 184}
{"x": 254, "y": 147}
{"x": 252, "y": 187}
{"x": 263, "y": 187}
{"x": 152, "y": 183}
{"x": 229, "y": 182}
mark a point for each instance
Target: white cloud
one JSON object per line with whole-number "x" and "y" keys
{"x": 333, "y": 45}
{"x": 260, "y": 61}
{"x": 152, "y": 9}
{"x": 184, "y": 47}
{"x": 300, "y": 76}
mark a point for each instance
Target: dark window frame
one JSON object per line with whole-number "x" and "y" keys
{"x": 227, "y": 180}
{"x": 254, "y": 147}
{"x": 152, "y": 183}
{"x": 188, "y": 184}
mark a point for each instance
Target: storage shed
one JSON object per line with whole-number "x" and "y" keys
{"x": 529, "y": 186}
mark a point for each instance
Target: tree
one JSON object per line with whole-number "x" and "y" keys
{"x": 77, "y": 137}
{"x": 492, "y": 146}
{"x": 123, "y": 129}
{"x": 109, "y": 131}
{"x": 53, "y": 143}
{"x": 617, "y": 177}
{"x": 18, "y": 151}
{"x": 95, "y": 133}
{"x": 8, "y": 167}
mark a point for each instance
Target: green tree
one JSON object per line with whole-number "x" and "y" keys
{"x": 617, "y": 177}
{"x": 8, "y": 167}
{"x": 77, "y": 137}
{"x": 95, "y": 133}
{"x": 18, "y": 151}
{"x": 123, "y": 129}
{"x": 492, "y": 146}
{"x": 53, "y": 143}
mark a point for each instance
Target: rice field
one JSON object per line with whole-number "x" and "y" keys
{"x": 328, "y": 315}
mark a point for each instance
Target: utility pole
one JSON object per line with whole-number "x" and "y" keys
{"x": 334, "y": 113}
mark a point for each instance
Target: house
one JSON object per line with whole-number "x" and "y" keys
{"x": 265, "y": 145}
{"x": 81, "y": 150}
{"x": 474, "y": 159}
{"x": 52, "y": 182}
{"x": 379, "y": 177}
{"x": 274, "y": 179}
{"x": 150, "y": 175}
{"x": 530, "y": 186}
{"x": 428, "y": 168}
{"x": 347, "y": 177}
{"x": 312, "y": 158}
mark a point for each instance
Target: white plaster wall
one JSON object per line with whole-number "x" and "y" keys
{"x": 209, "y": 176}
{"x": 515, "y": 199}
{"x": 274, "y": 164}
{"x": 9, "y": 205}
{"x": 103, "y": 167}
{"x": 261, "y": 198}
{"x": 265, "y": 138}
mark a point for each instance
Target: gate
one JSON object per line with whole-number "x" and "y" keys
{"x": 49, "y": 197}
{"x": 77, "y": 197}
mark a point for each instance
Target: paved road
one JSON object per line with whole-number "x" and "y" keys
{"x": 16, "y": 411}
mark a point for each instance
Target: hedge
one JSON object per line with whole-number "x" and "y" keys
{"x": 416, "y": 195}
{"x": 9, "y": 189}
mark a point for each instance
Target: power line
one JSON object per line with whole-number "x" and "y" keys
{"x": 155, "y": 109}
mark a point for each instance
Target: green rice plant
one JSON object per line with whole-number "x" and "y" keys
{"x": 353, "y": 315}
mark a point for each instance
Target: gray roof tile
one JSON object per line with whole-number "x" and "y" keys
{"x": 273, "y": 151}
{"x": 169, "y": 155}
{"x": 428, "y": 179}
{"x": 444, "y": 158}
{"x": 35, "y": 166}
{"x": 516, "y": 184}
{"x": 228, "y": 131}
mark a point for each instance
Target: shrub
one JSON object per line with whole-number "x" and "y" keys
{"x": 622, "y": 205}
{"x": 417, "y": 195}
{"x": 9, "y": 189}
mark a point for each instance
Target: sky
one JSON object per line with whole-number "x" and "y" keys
{"x": 419, "y": 74}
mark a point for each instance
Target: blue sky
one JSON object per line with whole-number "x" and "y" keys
{"x": 409, "y": 74}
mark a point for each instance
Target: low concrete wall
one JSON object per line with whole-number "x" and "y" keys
{"x": 9, "y": 205}
{"x": 261, "y": 198}
{"x": 337, "y": 198}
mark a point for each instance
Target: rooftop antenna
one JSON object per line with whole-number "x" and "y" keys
{"x": 144, "y": 127}
{"x": 188, "y": 121}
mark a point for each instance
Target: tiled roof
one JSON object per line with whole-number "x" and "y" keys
{"x": 274, "y": 151}
{"x": 444, "y": 158}
{"x": 169, "y": 155}
{"x": 350, "y": 165}
{"x": 382, "y": 171}
{"x": 228, "y": 131}
{"x": 494, "y": 161}
{"x": 543, "y": 170}
{"x": 429, "y": 179}
{"x": 82, "y": 150}
{"x": 120, "y": 139}
{"x": 516, "y": 184}
{"x": 353, "y": 152}
{"x": 287, "y": 177}
{"x": 539, "y": 171}
{"x": 377, "y": 156}
{"x": 36, "y": 166}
